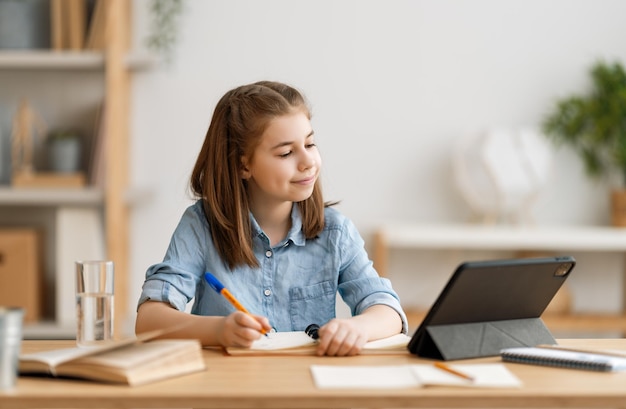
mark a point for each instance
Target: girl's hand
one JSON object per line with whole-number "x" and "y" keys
{"x": 241, "y": 330}
{"x": 341, "y": 337}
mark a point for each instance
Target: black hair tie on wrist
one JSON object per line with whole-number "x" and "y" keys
{"x": 311, "y": 331}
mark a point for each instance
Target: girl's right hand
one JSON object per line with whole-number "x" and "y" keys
{"x": 241, "y": 330}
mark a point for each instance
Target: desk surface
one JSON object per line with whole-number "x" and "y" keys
{"x": 285, "y": 382}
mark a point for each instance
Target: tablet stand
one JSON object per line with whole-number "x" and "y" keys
{"x": 480, "y": 339}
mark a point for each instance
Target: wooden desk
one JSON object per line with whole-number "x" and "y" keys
{"x": 285, "y": 382}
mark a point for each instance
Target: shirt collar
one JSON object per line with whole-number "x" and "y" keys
{"x": 295, "y": 234}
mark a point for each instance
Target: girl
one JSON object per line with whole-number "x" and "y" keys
{"x": 262, "y": 228}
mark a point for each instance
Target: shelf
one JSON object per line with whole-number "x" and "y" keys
{"x": 140, "y": 61}
{"x": 494, "y": 237}
{"x": 48, "y": 330}
{"x": 50, "y": 196}
{"x": 69, "y": 60}
{"x": 554, "y": 238}
{"x": 44, "y": 59}
{"x": 586, "y": 322}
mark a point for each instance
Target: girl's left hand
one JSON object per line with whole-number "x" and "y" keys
{"x": 341, "y": 337}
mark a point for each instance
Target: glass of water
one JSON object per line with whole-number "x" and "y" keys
{"x": 10, "y": 343}
{"x": 94, "y": 302}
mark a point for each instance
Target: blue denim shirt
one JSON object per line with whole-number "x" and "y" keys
{"x": 297, "y": 281}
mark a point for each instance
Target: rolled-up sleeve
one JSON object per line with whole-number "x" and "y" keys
{"x": 157, "y": 290}
{"x": 360, "y": 285}
{"x": 175, "y": 279}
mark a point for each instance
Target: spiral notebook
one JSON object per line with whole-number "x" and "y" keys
{"x": 563, "y": 358}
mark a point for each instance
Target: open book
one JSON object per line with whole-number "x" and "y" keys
{"x": 299, "y": 343}
{"x": 130, "y": 362}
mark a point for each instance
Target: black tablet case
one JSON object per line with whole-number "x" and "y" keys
{"x": 490, "y": 305}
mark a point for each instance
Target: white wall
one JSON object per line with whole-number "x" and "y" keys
{"x": 392, "y": 83}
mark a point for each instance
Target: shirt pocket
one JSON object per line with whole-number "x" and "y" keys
{"x": 312, "y": 304}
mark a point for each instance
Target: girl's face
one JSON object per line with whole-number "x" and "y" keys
{"x": 285, "y": 164}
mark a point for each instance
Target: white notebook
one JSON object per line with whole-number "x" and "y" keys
{"x": 550, "y": 356}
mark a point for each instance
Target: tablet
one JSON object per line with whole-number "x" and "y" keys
{"x": 490, "y": 305}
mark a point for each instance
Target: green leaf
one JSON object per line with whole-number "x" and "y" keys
{"x": 594, "y": 124}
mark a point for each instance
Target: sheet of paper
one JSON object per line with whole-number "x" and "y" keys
{"x": 411, "y": 376}
{"x": 364, "y": 377}
{"x": 398, "y": 341}
{"x": 485, "y": 376}
{"x": 282, "y": 340}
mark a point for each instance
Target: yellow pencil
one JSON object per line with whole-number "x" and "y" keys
{"x": 448, "y": 369}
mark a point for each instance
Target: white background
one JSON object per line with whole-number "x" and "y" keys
{"x": 393, "y": 85}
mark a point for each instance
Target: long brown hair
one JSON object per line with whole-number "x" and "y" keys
{"x": 239, "y": 120}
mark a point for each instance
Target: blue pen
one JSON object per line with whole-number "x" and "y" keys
{"x": 220, "y": 289}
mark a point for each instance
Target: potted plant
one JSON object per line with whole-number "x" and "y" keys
{"x": 64, "y": 150}
{"x": 163, "y": 35}
{"x": 594, "y": 125}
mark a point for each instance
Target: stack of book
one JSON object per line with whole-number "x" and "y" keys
{"x": 77, "y": 24}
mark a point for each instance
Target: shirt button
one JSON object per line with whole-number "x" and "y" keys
{"x": 267, "y": 292}
{"x": 268, "y": 253}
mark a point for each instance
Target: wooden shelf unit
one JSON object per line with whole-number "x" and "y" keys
{"x": 113, "y": 67}
{"x": 521, "y": 240}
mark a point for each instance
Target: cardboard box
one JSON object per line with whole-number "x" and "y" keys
{"x": 21, "y": 272}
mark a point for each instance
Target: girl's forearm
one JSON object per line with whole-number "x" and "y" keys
{"x": 380, "y": 321}
{"x": 153, "y": 315}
